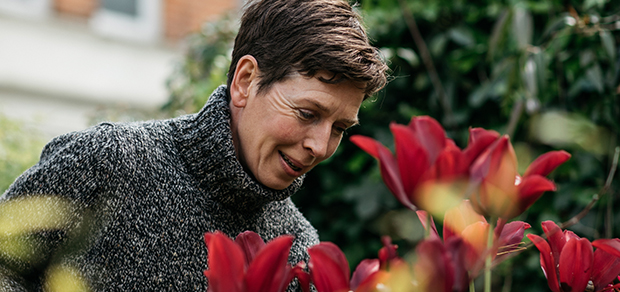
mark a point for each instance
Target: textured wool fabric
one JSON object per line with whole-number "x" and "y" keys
{"x": 143, "y": 195}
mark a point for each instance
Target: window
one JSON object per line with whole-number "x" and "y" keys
{"x": 134, "y": 20}
{"x": 129, "y": 7}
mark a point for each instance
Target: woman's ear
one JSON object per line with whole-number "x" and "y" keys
{"x": 246, "y": 76}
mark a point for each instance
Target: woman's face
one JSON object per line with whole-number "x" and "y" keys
{"x": 285, "y": 131}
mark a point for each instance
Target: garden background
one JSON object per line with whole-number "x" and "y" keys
{"x": 544, "y": 72}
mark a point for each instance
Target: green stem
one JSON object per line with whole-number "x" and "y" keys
{"x": 489, "y": 260}
{"x": 472, "y": 287}
{"x": 427, "y": 230}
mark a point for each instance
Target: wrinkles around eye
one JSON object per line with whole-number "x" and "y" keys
{"x": 306, "y": 115}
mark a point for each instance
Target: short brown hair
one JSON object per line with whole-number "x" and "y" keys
{"x": 307, "y": 36}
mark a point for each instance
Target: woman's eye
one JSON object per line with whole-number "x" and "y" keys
{"x": 306, "y": 115}
{"x": 340, "y": 130}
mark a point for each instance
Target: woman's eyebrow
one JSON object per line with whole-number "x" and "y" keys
{"x": 323, "y": 108}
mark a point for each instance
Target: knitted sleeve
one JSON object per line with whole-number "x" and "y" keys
{"x": 44, "y": 204}
{"x": 73, "y": 166}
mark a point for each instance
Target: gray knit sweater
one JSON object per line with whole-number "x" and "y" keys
{"x": 145, "y": 193}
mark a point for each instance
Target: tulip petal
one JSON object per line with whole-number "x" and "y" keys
{"x": 364, "y": 270}
{"x": 392, "y": 178}
{"x": 413, "y": 159}
{"x": 370, "y": 283}
{"x": 611, "y": 246}
{"x": 388, "y": 252}
{"x": 425, "y": 219}
{"x": 475, "y": 238}
{"x": 433, "y": 269}
{"x": 547, "y": 262}
{"x": 606, "y": 268}
{"x": 568, "y": 235}
{"x": 458, "y": 218}
{"x": 329, "y": 268}
{"x": 388, "y": 166}
{"x": 430, "y": 135}
{"x": 576, "y": 265}
{"x": 496, "y": 170}
{"x": 369, "y": 145}
{"x": 498, "y": 164}
{"x": 479, "y": 140}
{"x": 251, "y": 243}
{"x": 269, "y": 271}
{"x": 546, "y": 163}
{"x": 302, "y": 276}
{"x": 226, "y": 264}
{"x": 509, "y": 240}
{"x": 530, "y": 190}
{"x": 556, "y": 239}
{"x": 457, "y": 249}
{"x": 512, "y": 234}
{"x": 451, "y": 162}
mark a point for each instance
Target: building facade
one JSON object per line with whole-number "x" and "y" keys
{"x": 65, "y": 60}
{"x": 137, "y": 20}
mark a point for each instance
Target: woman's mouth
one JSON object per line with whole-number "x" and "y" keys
{"x": 289, "y": 162}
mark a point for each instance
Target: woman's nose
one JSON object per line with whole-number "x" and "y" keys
{"x": 317, "y": 141}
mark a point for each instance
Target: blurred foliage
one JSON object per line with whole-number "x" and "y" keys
{"x": 544, "y": 72}
{"x": 29, "y": 228}
{"x": 207, "y": 58}
{"x": 65, "y": 279}
{"x": 19, "y": 150}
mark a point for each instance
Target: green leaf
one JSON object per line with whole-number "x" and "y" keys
{"x": 591, "y": 3}
{"x": 479, "y": 95}
{"x": 586, "y": 58}
{"x": 462, "y": 36}
{"x": 438, "y": 44}
{"x": 408, "y": 55}
{"x": 542, "y": 74}
{"x": 563, "y": 129}
{"x": 595, "y": 76}
{"x": 529, "y": 77}
{"x": 498, "y": 33}
{"x": 522, "y": 27}
{"x": 608, "y": 43}
{"x": 554, "y": 25}
{"x": 561, "y": 40}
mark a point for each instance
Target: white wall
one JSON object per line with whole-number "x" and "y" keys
{"x": 54, "y": 73}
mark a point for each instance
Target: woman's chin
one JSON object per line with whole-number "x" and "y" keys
{"x": 274, "y": 182}
{"x": 278, "y": 186}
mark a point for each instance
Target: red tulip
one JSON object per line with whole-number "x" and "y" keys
{"x": 388, "y": 254}
{"x": 569, "y": 263}
{"x": 329, "y": 270}
{"x": 465, "y": 236}
{"x": 434, "y": 269}
{"x": 502, "y": 192}
{"x": 424, "y": 156}
{"x": 248, "y": 264}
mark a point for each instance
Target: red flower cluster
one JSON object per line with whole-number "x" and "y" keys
{"x": 569, "y": 263}
{"x": 426, "y": 158}
{"x": 248, "y": 264}
{"x": 423, "y": 154}
{"x": 502, "y": 192}
{"x": 450, "y": 265}
{"x": 329, "y": 269}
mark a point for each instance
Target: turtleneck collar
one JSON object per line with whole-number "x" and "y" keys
{"x": 205, "y": 142}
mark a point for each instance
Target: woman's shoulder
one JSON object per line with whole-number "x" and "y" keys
{"x": 118, "y": 132}
{"x": 111, "y": 141}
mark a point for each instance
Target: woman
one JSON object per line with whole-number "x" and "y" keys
{"x": 145, "y": 193}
